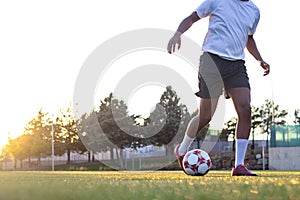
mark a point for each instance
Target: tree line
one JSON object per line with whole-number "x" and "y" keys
{"x": 119, "y": 130}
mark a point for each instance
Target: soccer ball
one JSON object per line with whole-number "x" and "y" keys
{"x": 196, "y": 162}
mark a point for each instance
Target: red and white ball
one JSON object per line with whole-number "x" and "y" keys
{"x": 196, "y": 162}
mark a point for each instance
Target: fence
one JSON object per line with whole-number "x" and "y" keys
{"x": 285, "y": 136}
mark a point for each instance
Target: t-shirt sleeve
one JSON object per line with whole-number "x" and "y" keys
{"x": 205, "y": 8}
{"x": 254, "y": 26}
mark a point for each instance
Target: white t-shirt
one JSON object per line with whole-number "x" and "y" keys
{"x": 230, "y": 23}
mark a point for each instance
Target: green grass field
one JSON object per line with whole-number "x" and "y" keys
{"x": 148, "y": 185}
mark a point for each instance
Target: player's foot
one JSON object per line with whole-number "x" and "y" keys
{"x": 179, "y": 157}
{"x": 241, "y": 170}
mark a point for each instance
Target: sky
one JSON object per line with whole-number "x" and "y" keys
{"x": 43, "y": 45}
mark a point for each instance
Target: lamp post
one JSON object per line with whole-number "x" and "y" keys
{"x": 263, "y": 141}
{"x": 52, "y": 142}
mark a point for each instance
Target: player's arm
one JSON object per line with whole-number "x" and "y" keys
{"x": 252, "y": 48}
{"x": 183, "y": 27}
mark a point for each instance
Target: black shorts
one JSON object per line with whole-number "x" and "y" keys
{"x": 217, "y": 75}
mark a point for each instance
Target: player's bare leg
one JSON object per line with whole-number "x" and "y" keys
{"x": 241, "y": 100}
{"x": 206, "y": 110}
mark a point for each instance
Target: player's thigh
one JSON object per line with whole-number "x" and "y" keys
{"x": 241, "y": 98}
{"x": 207, "y": 109}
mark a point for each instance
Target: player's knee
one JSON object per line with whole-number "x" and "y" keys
{"x": 244, "y": 123}
{"x": 204, "y": 120}
{"x": 244, "y": 111}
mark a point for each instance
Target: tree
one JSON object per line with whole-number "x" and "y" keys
{"x": 68, "y": 137}
{"x": 13, "y": 149}
{"x": 90, "y": 135}
{"x": 271, "y": 115}
{"x": 34, "y": 142}
{"x": 230, "y": 127}
{"x": 256, "y": 120}
{"x": 114, "y": 121}
{"x": 175, "y": 115}
{"x": 39, "y": 131}
{"x": 297, "y": 116}
{"x": 116, "y": 126}
{"x": 169, "y": 101}
{"x": 26, "y": 141}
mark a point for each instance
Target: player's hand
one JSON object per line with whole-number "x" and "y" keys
{"x": 175, "y": 40}
{"x": 266, "y": 67}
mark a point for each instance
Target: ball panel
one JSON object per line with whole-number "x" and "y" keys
{"x": 192, "y": 159}
{"x": 202, "y": 168}
{"x": 190, "y": 171}
{"x": 205, "y": 155}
